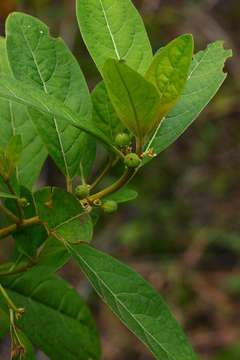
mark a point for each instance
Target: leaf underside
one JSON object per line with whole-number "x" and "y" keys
{"x": 169, "y": 71}
{"x": 205, "y": 78}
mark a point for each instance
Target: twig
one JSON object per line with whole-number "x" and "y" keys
{"x": 13, "y": 228}
{"x": 104, "y": 172}
{"x": 9, "y": 214}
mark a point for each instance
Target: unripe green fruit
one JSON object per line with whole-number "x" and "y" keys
{"x": 122, "y": 139}
{"x": 110, "y": 206}
{"x": 81, "y": 191}
{"x": 23, "y": 202}
{"x": 132, "y": 160}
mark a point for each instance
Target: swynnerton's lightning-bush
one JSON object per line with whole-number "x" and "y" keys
{"x": 141, "y": 106}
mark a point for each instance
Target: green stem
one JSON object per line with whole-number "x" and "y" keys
{"x": 19, "y": 208}
{"x": 139, "y": 146}
{"x": 17, "y": 271}
{"x": 13, "y": 228}
{"x": 124, "y": 179}
{"x": 82, "y": 175}
{"x": 10, "y": 302}
{"x": 9, "y": 214}
{"x": 104, "y": 172}
{"x": 69, "y": 184}
{"x": 14, "y": 333}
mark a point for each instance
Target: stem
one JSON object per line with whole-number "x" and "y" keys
{"x": 9, "y": 214}
{"x": 82, "y": 175}
{"x": 139, "y": 146}
{"x": 10, "y": 302}
{"x": 13, "y": 332}
{"x": 17, "y": 271}
{"x": 19, "y": 209}
{"x": 12, "y": 228}
{"x": 154, "y": 135}
{"x": 124, "y": 179}
{"x": 69, "y": 184}
{"x": 104, "y": 172}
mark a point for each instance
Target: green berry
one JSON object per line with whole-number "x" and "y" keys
{"x": 23, "y": 202}
{"x": 122, "y": 139}
{"x": 132, "y": 160}
{"x": 110, "y": 207}
{"x": 82, "y": 191}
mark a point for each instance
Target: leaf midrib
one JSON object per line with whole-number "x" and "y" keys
{"x": 46, "y": 91}
{"x": 109, "y": 29}
{"x": 116, "y": 299}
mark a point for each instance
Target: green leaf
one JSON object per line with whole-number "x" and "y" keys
{"x": 135, "y": 303}
{"x": 63, "y": 215}
{"x": 135, "y": 100}
{"x": 8, "y": 196}
{"x": 15, "y": 119}
{"x": 114, "y": 29}
{"x": 104, "y": 115}
{"x": 16, "y": 91}
{"x": 46, "y": 64}
{"x": 87, "y": 156}
{"x": 51, "y": 258}
{"x": 29, "y": 353}
{"x": 122, "y": 195}
{"x": 4, "y": 323}
{"x": 169, "y": 71}
{"x": 205, "y": 78}
{"x": 14, "y": 152}
{"x": 56, "y": 319}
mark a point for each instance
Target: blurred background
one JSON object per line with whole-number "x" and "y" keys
{"x": 182, "y": 233}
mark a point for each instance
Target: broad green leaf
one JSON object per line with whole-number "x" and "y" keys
{"x": 15, "y": 119}
{"x": 113, "y": 28}
{"x": 104, "y": 115}
{"x": 63, "y": 215}
{"x": 14, "y": 152}
{"x": 122, "y": 195}
{"x": 4, "y": 323}
{"x": 51, "y": 258}
{"x": 169, "y": 71}
{"x": 18, "y": 92}
{"x": 7, "y": 196}
{"x": 135, "y": 100}
{"x": 87, "y": 156}
{"x": 205, "y": 78}
{"x": 29, "y": 353}
{"x": 56, "y": 319}
{"x": 135, "y": 302}
{"x": 46, "y": 64}
{"x": 53, "y": 255}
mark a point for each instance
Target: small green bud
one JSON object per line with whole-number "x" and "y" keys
{"x": 132, "y": 160}
{"x": 110, "y": 206}
{"x": 23, "y": 202}
{"x": 81, "y": 191}
{"x": 122, "y": 139}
